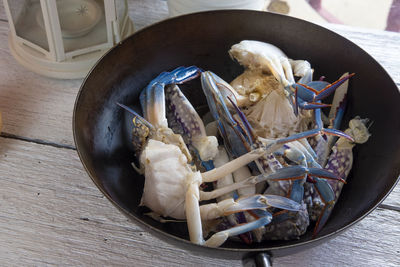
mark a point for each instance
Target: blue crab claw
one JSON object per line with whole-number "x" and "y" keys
{"x": 235, "y": 137}
{"x": 282, "y": 203}
{"x": 298, "y": 172}
{"x": 182, "y": 116}
{"x": 210, "y": 84}
{"x": 219, "y": 238}
{"x": 262, "y": 202}
{"x": 247, "y": 203}
{"x": 178, "y": 76}
{"x": 152, "y": 98}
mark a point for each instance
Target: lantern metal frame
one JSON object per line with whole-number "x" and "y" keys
{"x": 56, "y": 62}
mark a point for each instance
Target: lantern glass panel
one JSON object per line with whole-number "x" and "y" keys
{"x": 83, "y": 23}
{"x": 28, "y": 21}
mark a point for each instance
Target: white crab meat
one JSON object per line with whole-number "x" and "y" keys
{"x": 359, "y": 130}
{"x": 221, "y": 159}
{"x": 253, "y": 85}
{"x": 273, "y": 116}
{"x": 207, "y": 146}
{"x": 167, "y": 174}
{"x": 264, "y": 56}
{"x": 269, "y": 58}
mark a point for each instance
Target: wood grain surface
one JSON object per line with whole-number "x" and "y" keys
{"x": 52, "y": 214}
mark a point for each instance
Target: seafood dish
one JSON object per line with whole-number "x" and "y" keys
{"x": 265, "y": 163}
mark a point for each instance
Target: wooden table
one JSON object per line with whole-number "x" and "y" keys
{"x": 51, "y": 213}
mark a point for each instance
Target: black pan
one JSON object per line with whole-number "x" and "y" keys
{"x": 102, "y": 129}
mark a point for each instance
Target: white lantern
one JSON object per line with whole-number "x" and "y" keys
{"x": 64, "y": 38}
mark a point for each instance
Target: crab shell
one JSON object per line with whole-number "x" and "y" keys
{"x": 273, "y": 117}
{"x": 167, "y": 173}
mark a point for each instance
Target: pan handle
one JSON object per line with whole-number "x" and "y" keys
{"x": 262, "y": 259}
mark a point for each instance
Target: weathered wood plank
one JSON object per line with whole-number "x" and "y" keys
{"x": 52, "y": 213}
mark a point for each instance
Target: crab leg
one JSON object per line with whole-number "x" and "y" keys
{"x": 325, "y": 92}
{"x": 294, "y": 173}
{"x": 249, "y": 181}
{"x": 327, "y": 195}
{"x": 339, "y": 104}
{"x": 230, "y": 206}
{"x": 213, "y": 175}
{"x": 192, "y": 209}
{"x": 225, "y": 184}
{"x": 254, "y": 202}
{"x": 342, "y": 151}
{"x": 323, "y": 187}
{"x": 298, "y": 172}
{"x": 196, "y": 213}
{"x": 315, "y": 91}
{"x": 307, "y": 105}
{"x": 324, "y": 145}
{"x": 319, "y": 130}
{"x": 219, "y": 238}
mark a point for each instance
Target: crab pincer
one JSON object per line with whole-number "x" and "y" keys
{"x": 152, "y": 98}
